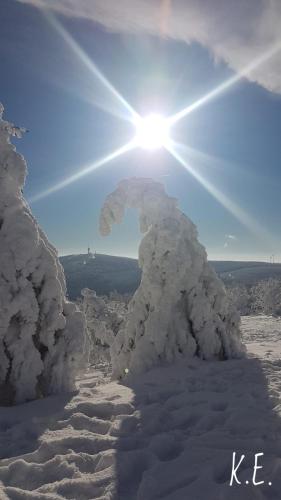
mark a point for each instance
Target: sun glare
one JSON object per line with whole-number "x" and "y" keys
{"x": 152, "y": 132}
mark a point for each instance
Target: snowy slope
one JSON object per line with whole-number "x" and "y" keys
{"x": 170, "y": 436}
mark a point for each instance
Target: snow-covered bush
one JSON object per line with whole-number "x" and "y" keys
{"x": 180, "y": 308}
{"x": 241, "y": 298}
{"x": 262, "y": 298}
{"x": 104, "y": 318}
{"x": 266, "y": 297}
{"x": 42, "y": 336}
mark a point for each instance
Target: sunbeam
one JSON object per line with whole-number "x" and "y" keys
{"x": 201, "y": 159}
{"x": 226, "y": 84}
{"x": 180, "y": 153}
{"x": 127, "y": 112}
{"x": 82, "y": 172}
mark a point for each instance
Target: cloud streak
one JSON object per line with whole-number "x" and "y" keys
{"x": 234, "y": 31}
{"x": 228, "y": 239}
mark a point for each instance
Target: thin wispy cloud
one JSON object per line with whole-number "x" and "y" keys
{"x": 229, "y": 238}
{"x": 234, "y": 31}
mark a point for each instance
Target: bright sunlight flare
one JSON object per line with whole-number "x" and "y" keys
{"x": 152, "y": 132}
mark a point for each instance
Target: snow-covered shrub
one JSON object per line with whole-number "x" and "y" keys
{"x": 241, "y": 298}
{"x": 266, "y": 297}
{"x": 262, "y": 298}
{"x": 180, "y": 308}
{"x": 104, "y": 318}
{"x": 42, "y": 336}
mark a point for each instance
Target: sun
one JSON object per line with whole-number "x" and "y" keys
{"x": 152, "y": 132}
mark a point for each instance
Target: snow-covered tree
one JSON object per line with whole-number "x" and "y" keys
{"x": 42, "y": 335}
{"x": 180, "y": 308}
{"x": 241, "y": 298}
{"x": 104, "y": 318}
{"x": 266, "y": 297}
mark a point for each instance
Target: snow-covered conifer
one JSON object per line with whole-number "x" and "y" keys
{"x": 180, "y": 308}
{"x": 266, "y": 296}
{"x": 42, "y": 336}
{"x": 103, "y": 322}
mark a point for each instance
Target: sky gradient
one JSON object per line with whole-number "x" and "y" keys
{"x": 233, "y": 140}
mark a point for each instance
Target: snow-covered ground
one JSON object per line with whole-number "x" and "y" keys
{"x": 170, "y": 436}
{"x": 263, "y": 336}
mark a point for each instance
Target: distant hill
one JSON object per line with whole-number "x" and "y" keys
{"x": 247, "y": 273}
{"x": 106, "y": 273}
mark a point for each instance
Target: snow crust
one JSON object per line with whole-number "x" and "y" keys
{"x": 42, "y": 335}
{"x": 180, "y": 308}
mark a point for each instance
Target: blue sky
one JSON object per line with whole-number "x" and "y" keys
{"x": 46, "y": 88}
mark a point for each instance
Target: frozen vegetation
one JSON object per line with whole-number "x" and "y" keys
{"x": 262, "y": 298}
{"x": 104, "y": 317}
{"x": 42, "y": 335}
{"x": 180, "y": 308}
